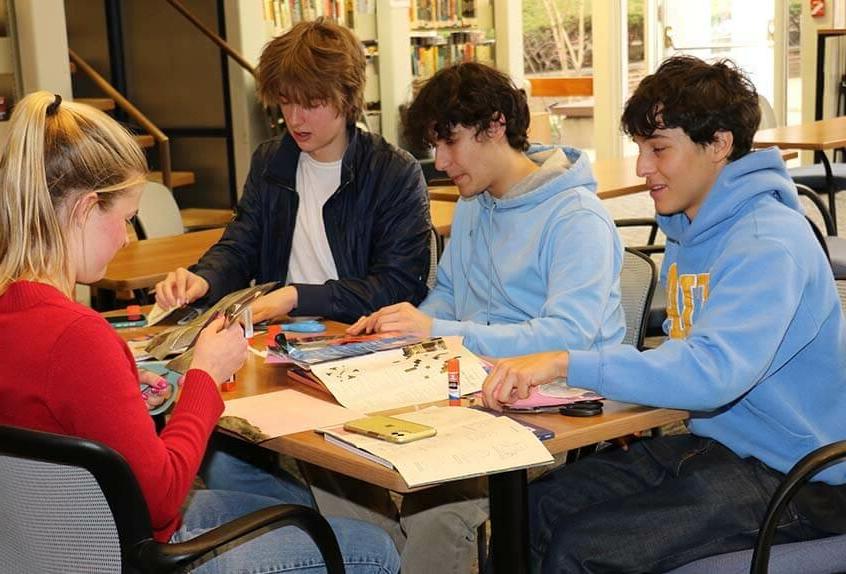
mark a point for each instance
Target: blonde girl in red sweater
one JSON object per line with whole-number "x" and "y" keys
{"x": 70, "y": 180}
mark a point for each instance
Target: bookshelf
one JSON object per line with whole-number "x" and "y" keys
{"x": 409, "y": 40}
{"x": 9, "y": 76}
{"x": 446, "y": 32}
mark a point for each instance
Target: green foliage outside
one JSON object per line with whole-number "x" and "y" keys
{"x": 557, "y": 36}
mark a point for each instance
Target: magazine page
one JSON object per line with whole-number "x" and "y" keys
{"x": 400, "y": 377}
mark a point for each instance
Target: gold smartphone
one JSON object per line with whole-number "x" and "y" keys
{"x": 390, "y": 429}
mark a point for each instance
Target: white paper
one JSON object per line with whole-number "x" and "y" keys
{"x": 469, "y": 443}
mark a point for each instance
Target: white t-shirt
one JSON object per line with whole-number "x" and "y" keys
{"x": 311, "y": 259}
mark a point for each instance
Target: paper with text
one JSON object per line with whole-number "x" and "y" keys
{"x": 469, "y": 443}
{"x": 391, "y": 379}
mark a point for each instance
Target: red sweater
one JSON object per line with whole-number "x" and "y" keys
{"x": 63, "y": 369}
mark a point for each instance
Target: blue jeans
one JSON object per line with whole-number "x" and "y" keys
{"x": 365, "y": 548}
{"x": 232, "y": 464}
{"x": 663, "y": 503}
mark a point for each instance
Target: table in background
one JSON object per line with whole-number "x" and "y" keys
{"x": 142, "y": 264}
{"x": 817, "y": 136}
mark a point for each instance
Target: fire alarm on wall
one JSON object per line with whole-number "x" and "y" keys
{"x": 817, "y": 8}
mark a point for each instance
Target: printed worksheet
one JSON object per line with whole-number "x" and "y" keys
{"x": 468, "y": 443}
{"x": 400, "y": 377}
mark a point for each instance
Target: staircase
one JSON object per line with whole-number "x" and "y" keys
{"x": 193, "y": 219}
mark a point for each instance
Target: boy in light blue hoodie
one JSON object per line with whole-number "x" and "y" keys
{"x": 534, "y": 259}
{"x": 757, "y": 352}
{"x": 533, "y": 264}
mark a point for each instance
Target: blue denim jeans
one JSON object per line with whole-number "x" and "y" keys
{"x": 365, "y": 548}
{"x": 248, "y": 468}
{"x": 663, "y": 503}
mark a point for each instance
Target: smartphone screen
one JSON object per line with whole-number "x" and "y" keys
{"x": 125, "y": 321}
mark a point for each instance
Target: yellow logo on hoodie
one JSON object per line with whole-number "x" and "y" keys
{"x": 685, "y": 293}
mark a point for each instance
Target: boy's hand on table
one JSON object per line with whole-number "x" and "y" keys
{"x": 402, "y": 318}
{"x": 512, "y": 378}
{"x": 179, "y": 288}
{"x": 275, "y": 304}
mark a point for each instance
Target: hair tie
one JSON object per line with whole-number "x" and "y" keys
{"x": 54, "y": 107}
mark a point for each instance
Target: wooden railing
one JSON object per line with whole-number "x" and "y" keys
{"x": 134, "y": 113}
{"x": 210, "y": 34}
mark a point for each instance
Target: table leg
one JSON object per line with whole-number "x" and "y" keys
{"x": 509, "y": 498}
{"x": 829, "y": 186}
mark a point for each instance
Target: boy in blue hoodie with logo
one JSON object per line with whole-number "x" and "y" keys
{"x": 756, "y": 352}
{"x": 533, "y": 264}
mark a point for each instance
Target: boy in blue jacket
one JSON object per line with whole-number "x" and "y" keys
{"x": 533, "y": 264}
{"x": 756, "y": 352}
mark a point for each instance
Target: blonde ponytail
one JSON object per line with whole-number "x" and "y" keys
{"x": 55, "y": 152}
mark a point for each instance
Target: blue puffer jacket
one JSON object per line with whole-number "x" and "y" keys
{"x": 377, "y": 223}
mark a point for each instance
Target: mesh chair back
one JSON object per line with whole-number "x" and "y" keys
{"x": 768, "y": 119}
{"x": 436, "y": 247}
{"x": 637, "y": 284}
{"x": 841, "y": 290}
{"x": 54, "y": 518}
{"x": 158, "y": 213}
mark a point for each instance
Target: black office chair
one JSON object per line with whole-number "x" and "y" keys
{"x": 653, "y": 326}
{"x": 820, "y": 556}
{"x": 834, "y": 246}
{"x": 637, "y": 287}
{"x": 436, "y": 249}
{"x": 73, "y": 505}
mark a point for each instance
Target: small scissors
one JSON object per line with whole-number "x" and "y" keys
{"x": 582, "y": 409}
{"x": 310, "y": 326}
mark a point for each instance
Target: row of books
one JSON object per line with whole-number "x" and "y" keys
{"x": 442, "y": 13}
{"x": 282, "y": 14}
{"x": 427, "y": 56}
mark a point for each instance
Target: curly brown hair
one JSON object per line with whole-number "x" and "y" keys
{"x": 700, "y": 98}
{"x": 471, "y": 95}
{"x": 315, "y": 62}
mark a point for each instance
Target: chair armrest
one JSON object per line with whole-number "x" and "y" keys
{"x": 798, "y": 476}
{"x": 160, "y": 557}
{"x": 640, "y": 222}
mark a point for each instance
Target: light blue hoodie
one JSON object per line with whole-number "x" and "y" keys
{"x": 759, "y": 343}
{"x": 535, "y": 270}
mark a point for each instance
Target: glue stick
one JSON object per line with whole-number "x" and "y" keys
{"x": 454, "y": 378}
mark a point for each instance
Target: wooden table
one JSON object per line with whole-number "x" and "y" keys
{"x": 142, "y": 264}
{"x": 816, "y": 136}
{"x": 508, "y": 491}
{"x": 442, "y": 212}
{"x": 195, "y": 218}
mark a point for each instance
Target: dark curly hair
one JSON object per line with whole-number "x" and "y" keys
{"x": 471, "y": 95}
{"x": 699, "y": 98}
